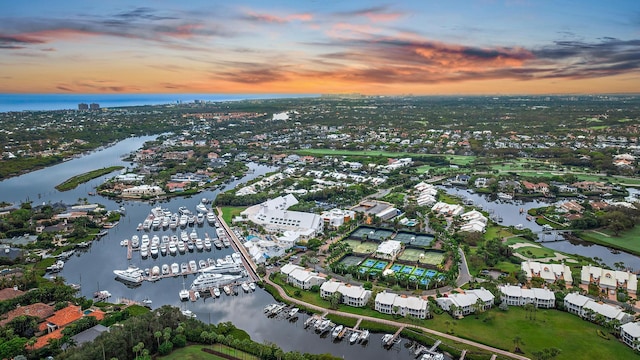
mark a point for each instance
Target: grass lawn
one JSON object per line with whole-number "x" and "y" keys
{"x": 576, "y": 338}
{"x": 194, "y": 352}
{"x": 534, "y": 252}
{"x": 229, "y": 212}
{"x": 627, "y": 240}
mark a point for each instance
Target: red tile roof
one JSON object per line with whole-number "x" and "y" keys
{"x": 38, "y": 310}
{"x": 66, "y": 316}
{"x": 9, "y": 293}
{"x": 44, "y": 339}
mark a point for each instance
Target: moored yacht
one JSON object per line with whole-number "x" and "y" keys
{"x": 132, "y": 274}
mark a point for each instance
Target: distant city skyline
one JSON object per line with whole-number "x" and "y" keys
{"x": 316, "y": 47}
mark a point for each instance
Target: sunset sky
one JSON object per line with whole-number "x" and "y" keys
{"x": 320, "y": 46}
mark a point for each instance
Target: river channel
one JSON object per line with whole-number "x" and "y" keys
{"x": 93, "y": 268}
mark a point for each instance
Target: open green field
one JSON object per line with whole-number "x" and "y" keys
{"x": 628, "y": 240}
{"x": 534, "y": 252}
{"x": 366, "y": 247}
{"x": 576, "y": 338}
{"x": 229, "y": 212}
{"x": 454, "y": 159}
{"x": 194, "y": 352}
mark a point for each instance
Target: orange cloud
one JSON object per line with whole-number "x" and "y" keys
{"x": 277, "y": 19}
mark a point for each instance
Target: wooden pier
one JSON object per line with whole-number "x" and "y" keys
{"x": 463, "y": 354}
{"x": 192, "y": 296}
{"x": 238, "y": 246}
{"x": 357, "y": 324}
{"x": 392, "y": 340}
{"x": 129, "y": 250}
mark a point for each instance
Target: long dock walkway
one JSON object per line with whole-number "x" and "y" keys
{"x": 239, "y": 247}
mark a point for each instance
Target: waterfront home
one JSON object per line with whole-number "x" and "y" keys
{"x": 587, "y": 308}
{"x": 300, "y": 277}
{"x": 609, "y": 279}
{"x": 389, "y": 249}
{"x": 447, "y": 209}
{"x": 352, "y": 295}
{"x": 549, "y": 272}
{"x": 466, "y": 303}
{"x": 474, "y": 221}
{"x": 390, "y": 303}
{"x": 630, "y": 334}
{"x": 142, "y": 190}
{"x": 517, "y": 296}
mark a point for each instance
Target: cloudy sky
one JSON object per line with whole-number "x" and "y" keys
{"x": 320, "y": 46}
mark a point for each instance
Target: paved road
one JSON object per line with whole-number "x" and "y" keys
{"x": 464, "y": 276}
{"x": 393, "y": 323}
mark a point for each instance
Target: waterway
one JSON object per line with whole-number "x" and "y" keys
{"x": 93, "y": 268}
{"x": 510, "y": 211}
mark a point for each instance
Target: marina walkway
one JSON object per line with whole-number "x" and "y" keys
{"x": 313, "y": 307}
{"x": 239, "y": 247}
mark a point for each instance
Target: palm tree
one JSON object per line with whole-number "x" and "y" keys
{"x": 517, "y": 341}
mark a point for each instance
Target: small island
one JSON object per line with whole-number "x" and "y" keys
{"x": 74, "y": 181}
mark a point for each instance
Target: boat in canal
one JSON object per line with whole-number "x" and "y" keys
{"x": 245, "y": 287}
{"x": 336, "y": 331}
{"x": 132, "y": 274}
{"x": 364, "y": 336}
{"x": 175, "y": 269}
{"x": 216, "y": 291}
{"x": 353, "y": 338}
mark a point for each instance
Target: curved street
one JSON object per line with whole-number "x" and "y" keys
{"x": 284, "y": 295}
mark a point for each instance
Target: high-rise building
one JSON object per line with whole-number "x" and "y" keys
{"x": 83, "y": 106}
{"x": 94, "y": 106}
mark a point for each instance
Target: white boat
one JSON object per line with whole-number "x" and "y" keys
{"x": 172, "y": 248}
{"x": 245, "y": 287}
{"x": 293, "y": 312}
{"x": 226, "y": 289}
{"x": 190, "y": 246}
{"x": 202, "y": 264}
{"x": 165, "y": 239}
{"x": 193, "y": 266}
{"x": 102, "y": 295}
{"x": 155, "y": 239}
{"x": 191, "y": 219}
{"x": 165, "y": 269}
{"x": 310, "y": 321}
{"x": 175, "y": 269}
{"x": 124, "y": 242}
{"x": 364, "y": 336}
{"x": 163, "y": 249}
{"x": 193, "y": 235}
{"x": 200, "y": 219}
{"x": 225, "y": 242}
{"x": 184, "y": 294}
{"x": 386, "y": 338}
{"x": 188, "y": 313}
{"x": 252, "y": 286}
{"x": 147, "y": 302}
{"x": 145, "y": 240}
{"x": 206, "y": 281}
{"x": 56, "y": 267}
{"x": 199, "y": 244}
{"x": 336, "y": 331}
{"x": 217, "y": 243}
{"x": 202, "y": 208}
{"x": 144, "y": 251}
{"x": 155, "y": 271}
{"x": 216, "y": 291}
{"x": 354, "y": 337}
{"x": 184, "y": 219}
{"x": 184, "y": 236}
{"x": 184, "y": 267}
{"x": 132, "y": 274}
{"x": 436, "y": 356}
{"x": 269, "y": 308}
{"x": 211, "y": 217}
{"x": 183, "y": 210}
{"x": 181, "y": 247}
{"x": 207, "y": 244}
{"x": 154, "y": 250}
{"x": 504, "y": 196}
{"x": 135, "y": 241}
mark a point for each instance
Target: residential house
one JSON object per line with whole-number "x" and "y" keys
{"x": 390, "y": 303}
{"x": 337, "y": 217}
{"x": 589, "y": 309}
{"x": 300, "y": 277}
{"x": 630, "y": 334}
{"x": 549, "y": 272}
{"x": 609, "y": 279}
{"x": 466, "y": 303}
{"x": 518, "y": 296}
{"x": 352, "y": 295}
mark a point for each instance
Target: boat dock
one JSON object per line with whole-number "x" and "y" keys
{"x": 423, "y": 349}
{"x": 321, "y": 325}
{"x": 392, "y": 339}
{"x": 236, "y": 244}
{"x": 463, "y": 354}
{"x": 192, "y": 296}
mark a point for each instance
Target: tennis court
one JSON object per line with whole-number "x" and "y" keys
{"x": 432, "y": 258}
{"x": 407, "y": 269}
{"x": 430, "y": 273}
{"x": 366, "y": 247}
{"x": 380, "y": 265}
{"x": 351, "y": 261}
{"x": 379, "y": 235}
{"x": 411, "y": 255}
{"x": 396, "y": 268}
{"x": 369, "y": 263}
{"x": 418, "y": 272}
{"x": 424, "y": 240}
{"x": 359, "y": 233}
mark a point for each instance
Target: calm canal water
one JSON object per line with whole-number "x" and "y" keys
{"x": 93, "y": 268}
{"x": 510, "y": 212}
